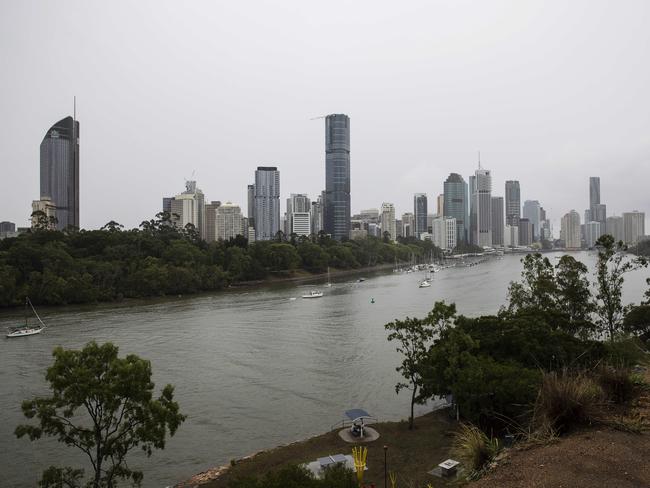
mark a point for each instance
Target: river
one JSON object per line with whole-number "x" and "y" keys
{"x": 252, "y": 368}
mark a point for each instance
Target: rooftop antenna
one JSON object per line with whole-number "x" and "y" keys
{"x": 479, "y": 160}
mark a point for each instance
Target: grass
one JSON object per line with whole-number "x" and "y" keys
{"x": 411, "y": 453}
{"x": 473, "y": 447}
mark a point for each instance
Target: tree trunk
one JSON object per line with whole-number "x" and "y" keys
{"x": 412, "y": 404}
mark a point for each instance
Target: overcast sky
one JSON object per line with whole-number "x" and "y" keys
{"x": 550, "y": 92}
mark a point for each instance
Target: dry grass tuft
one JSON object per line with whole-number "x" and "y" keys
{"x": 474, "y": 448}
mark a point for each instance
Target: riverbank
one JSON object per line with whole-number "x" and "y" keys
{"x": 411, "y": 453}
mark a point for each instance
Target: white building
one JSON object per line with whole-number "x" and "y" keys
{"x": 615, "y": 228}
{"x": 44, "y": 207}
{"x": 592, "y": 233}
{"x": 633, "y": 227}
{"x": 481, "y": 208}
{"x": 511, "y": 236}
{"x": 189, "y": 208}
{"x": 570, "y": 230}
{"x": 408, "y": 224}
{"x": 301, "y": 223}
{"x": 229, "y": 221}
{"x": 388, "y": 220}
{"x": 444, "y": 233}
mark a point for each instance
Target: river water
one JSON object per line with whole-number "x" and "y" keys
{"x": 252, "y": 369}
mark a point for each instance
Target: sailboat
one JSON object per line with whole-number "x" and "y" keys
{"x": 27, "y": 330}
{"x": 329, "y": 281}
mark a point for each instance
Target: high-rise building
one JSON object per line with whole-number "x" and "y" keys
{"x": 7, "y": 227}
{"x": 250, "y": 194}
{"x": 228, "y": 221}
{"x": 388, "y": 223}
{"x": 211, "y": 221}
{"x": 526, "y": 237}
{"x": 316, "y": 216}
{"x": 598, "y": 213}
{"x": 592, "y": 233}
{"x": 408, "y": 225}
{"x": 570, "y": 230}
{"x": 336, "y": 210}
{"x": 440, "y": 205}
{"x": 267, "y": 203}
{"x": 481, "y": 207}
{"x": 597, "y": 210}
{"x": 594, "y": 191}
{"x": 511, "y": 236}
{"x": 189, "y": 208}
{"x": 444, "y": 233}
{"x": 498, "y": 227}
{"x": 531, "y": 212}
{"x": 614, "y": 227}
{"x": 44, "y": 213}
{"x": 513, "y": 203}
{"x": 167, "y": 204}
{"x": 455, "y": 204}
{"x": 633, "y": 227}
{"x": 420, "y": 213}
{"x": 60, "y": 171}
{"x": 298, "y": 215}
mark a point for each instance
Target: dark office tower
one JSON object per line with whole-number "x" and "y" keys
{"x": 455, "y": 204}
{"x": 336, "y": 211}
{"x": 497, "y": 221}
{"x": 513, "y": 203}
{"x": 597, "y": 211}
{"x": 594, "y": 191}
{"x": 420, "y": 213}
{"x": 267, "y": 203}
{"x": 251, "y": 201}
{"x": 60, "y": 171}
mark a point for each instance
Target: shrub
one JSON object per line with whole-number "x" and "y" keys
{"x": 565, "y": 400}
{"x": 616, "y": 382}
{"x": 472, "y": 446}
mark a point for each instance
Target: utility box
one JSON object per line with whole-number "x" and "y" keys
{"x": 448, "y": 467}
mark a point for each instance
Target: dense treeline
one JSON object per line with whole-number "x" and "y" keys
{"x": 642, "y": 248}
{"x": 53, "y": 267}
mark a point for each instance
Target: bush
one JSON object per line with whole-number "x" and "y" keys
{"x": 616, "y": 382}
{"x": 473, "y": 447}
{"x": 294, "y": 476}
{"x": 565, "y": 400}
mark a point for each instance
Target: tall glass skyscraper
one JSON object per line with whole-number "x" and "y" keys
{"x": 420, "y": 213}
{"x": 455, "y": 204}
{"x": 513, "y": 203}
{"x": 336, "y": 211}
{"x": 267, "y": 203}
{"x": 60, "y": 171}
{"x": 531, "y": 212}
{"x": 481, "y": 208}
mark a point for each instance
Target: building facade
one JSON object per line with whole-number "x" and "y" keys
{"x": 481, "y": 207}
{"x": 526, "y": 237}
{"x": 513, "y": 203}
{"x": 633, "y": 227}
{"x": 388, "y": 223}
{"x": 592, "y": 233}
{"x": 267, "y": 203}
{"x": 614, "y": 227}
{"x": 498, "y": 226}
{"x": 336, "y": 210}
{"x": 408, "y": 225}
{"x": 420, "y": 212}
{"x": 455, "y": 204}
{"x": 511, "y": 236}
{"x": 570, "y": 230}
{"x": 189, "y": 208}
{"x": 531, "y": 212}
{"x": 228, "y": 222}
{"x": 211, "y": 221}
{"x": 60, "y": 171}
{"x": 444, "y": 233}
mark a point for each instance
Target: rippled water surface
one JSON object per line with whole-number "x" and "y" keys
{"x": 252, "y": 369}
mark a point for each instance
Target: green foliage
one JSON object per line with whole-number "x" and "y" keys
{"x": 293, "y": 476}
{"x": 616, "y": 382}
{"x": 637, "y": 322}
{"x": 474, "y": 448}
{"x": 612, "y": 265}
{"x": 102, "y": 405}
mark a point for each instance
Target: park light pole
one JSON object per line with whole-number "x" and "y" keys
{"x": 385, "y": 466}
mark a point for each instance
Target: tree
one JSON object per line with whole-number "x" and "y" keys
{"x": 414, "y": 337}
{"x": 113, "y": 226}
{"x": 647, "y": 293}
{"x": 537, "y": 289}
{"x": 611, "y": 266}
{"x": 104, "y": 406}
{"x": 574, "y": 295}
{"x": 637, "y": 322}
{"x": 441, "y": 317}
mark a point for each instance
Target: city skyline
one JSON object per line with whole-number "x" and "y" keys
{"x": 542, "y": 116}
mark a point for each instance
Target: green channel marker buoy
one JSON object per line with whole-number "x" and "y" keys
{"x": 372, "y": 300}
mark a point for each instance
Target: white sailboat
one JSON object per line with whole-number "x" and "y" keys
{"x": 27, "y": 330}
{"x": 313, "y": 294}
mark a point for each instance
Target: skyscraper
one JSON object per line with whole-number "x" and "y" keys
{"x": 298, "y": 214}
{"x": 60, "y": 171}
{"x": 189, "y": 208}
{"x": 408, "y": 224}
{"x": 531, "y": 212}
{"x": 592, "y": 233}
{"x": 513, "y": 203}
{"x": 594, "y": 191}
{"x": 615, "y": 228}
{"x": 481, "y": 206}
{"x": 597, "y": 210}
{"x": 570, "y": 230}
{"x": 633, "y": 227}
{"x": 388, "y": 223}
{"x": 420, "y": 213}
{"x": 228, "y": 221}
{"x": 440, "y": 211}
{"x": 250, "y": 193}
{"x": 498, "y": 227}
{"x": 455, "y": 204}
{"x": 267, "y": 203}
{"x": 336, "y": 211}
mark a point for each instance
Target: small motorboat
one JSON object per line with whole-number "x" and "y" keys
{"x": 361, "y": 280}
{"x": 27, "y": 330}
{"x": 313, "y": 294}
{"x": 425, "y": 284}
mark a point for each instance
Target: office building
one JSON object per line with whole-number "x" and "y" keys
{"x": 498, "y": 226}
{"x": 481, "y": 207}
{"x": 614, "y": 227}
{"x": 228, "y": 221}
{"x": 443, "y": 233}
{"x": 298, "y": 215}
{"x": 440, "y": 205}
{"x": 592, "y": 233}
{"x": 267, "y": 203}
{"x": 336, "y": 211}
{"x": 597, "y": 210}
{"x": 455, "y": 204}
{"x": 511, "y": 235}
{"x": 60, "y": 171}
{"x": 388, "y": 224}
{"x": 420, "y": 213}
{"x": 526, "y": 236}
{"x": 44, "y": 214}
{"x": 7, "y": 227}
{"x": 531, "y": 212}
{"x": 211, "y": 221}
{"x": 633, "y": 227}
{"x": 316, "y": 216}
{"x": 570, "y": 230}
{"x": 250, "y": 197}
{"x": 408, "y": 225}
{"x": 189, "y": 208}
{"x": 513, "y": 203}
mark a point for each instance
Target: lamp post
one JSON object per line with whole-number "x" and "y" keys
{"x": 385, "y": 466}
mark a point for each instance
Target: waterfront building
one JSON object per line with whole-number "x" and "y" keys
{"x": 570, "y": 230}
{"x": 497, "y": 220}
{"x": 592, "y": 233}
{"x": 388, "y": 220}
{"x": 189, "y": 208}
{"x": 513, "y": 203}
{"x": 443, "y": 233}
{"x": 7, "y": 227}
{"x": 167, "y": 205}
{"x": 408, "y": 224}
{"x": 526, "y": 236}
{"x": 44, "y": 208}
{"x": 614, "y": 227}
{"x": 59, "y": 165}
{"x": 455, "y": 204}
{"x": 440, "y": 205}
{"x": 267, "y": 203}
{"x": 298, "y": 215}
{"x": 481, "y": 207}
{"x": 211, "y": 221}
{"x": 250, "y": 198}
{"x": 531, "y": 212}
{"x": 420, "y": 213}
{"x": 597, "y": 210}
{"x": 511, "y": 235}
{"x": 336, "y": 211}
{"x": 228, "y": 221}
{"x": 398, "y": 228}
{"x": 316, "y": 216}
{"x": 633, "y": 227}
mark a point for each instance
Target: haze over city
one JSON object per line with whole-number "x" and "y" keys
{"x": 549, "y": 92}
